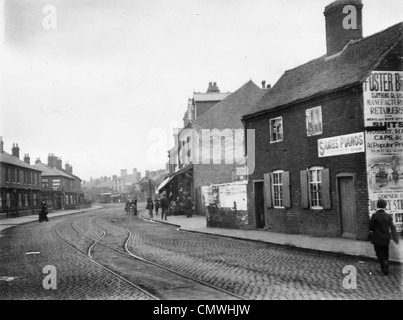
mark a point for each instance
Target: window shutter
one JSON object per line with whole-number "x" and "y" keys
{"x": 326, "y": 189}
{"x": 286, "y": 189}
{"x": 304, "y": 189}
{"x": 267, "y": 191}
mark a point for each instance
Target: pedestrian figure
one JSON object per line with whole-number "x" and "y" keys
{"x": 43, "y": 215}
{"x": 188, "y": 206}
{"x": 382, "y": 230}
{"x": 157, "y": 206}
{"x": 150, "y": 207}
{"x": 164, "y": 207}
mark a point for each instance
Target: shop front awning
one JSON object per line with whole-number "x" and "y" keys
{"x": 164, "y": 183}
{"x": 173, "y": 176}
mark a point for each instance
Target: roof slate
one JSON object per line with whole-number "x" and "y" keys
{"x": 48, "y": 171}
{"x": 8, "y": 158}
{"x": 227, "y": 113}
{"x": 350, "y": 66}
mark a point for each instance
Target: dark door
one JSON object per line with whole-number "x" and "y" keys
{"x": 347, "y": 207}
{"x": 259, "y": 205}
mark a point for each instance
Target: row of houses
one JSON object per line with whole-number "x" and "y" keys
{"x": 126, "y": 186}
{"x": 24, "y": 185}
{"x": 310, "y": 155}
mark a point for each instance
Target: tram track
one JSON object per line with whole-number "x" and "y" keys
{"x": 88, "y": 256}
{"x": 133, "y": 257}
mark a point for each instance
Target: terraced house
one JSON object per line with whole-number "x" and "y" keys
{"x": 20, "y": 183}
{"x": 60, "y": 188}
{"x": 328, "y": 135}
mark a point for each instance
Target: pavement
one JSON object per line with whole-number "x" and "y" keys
{"x": 15, "y": 221}
{"x": 336, "y": 246}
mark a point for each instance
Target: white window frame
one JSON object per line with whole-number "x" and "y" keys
{"x": 272, "y": 130}
{"x": 315, "y": 188}
{"x": 310, "y": 123}
{"x": 277, "y": 189}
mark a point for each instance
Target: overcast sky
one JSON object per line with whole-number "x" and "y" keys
{"x": 104, "y": 89}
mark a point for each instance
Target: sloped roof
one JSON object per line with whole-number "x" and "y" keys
{"x": 350, "y": 66}
{"x": 227, "y": 114}
{"x": 209, "y": 96}
{"x": 8, "y": 158}
{"x": 48, "y": 171}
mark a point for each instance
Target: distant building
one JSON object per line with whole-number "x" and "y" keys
{"x": 60, "y": 189}
{"x": 201, "y": 161}
{"x": 202, "y": 102}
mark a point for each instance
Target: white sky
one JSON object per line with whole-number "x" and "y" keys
{"x": 116, "y": 74}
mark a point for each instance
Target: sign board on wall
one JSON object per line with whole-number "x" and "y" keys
{"x": 383, "y": 109}
{"x": 229, "y": 195}
{"x": 341, "y": 145}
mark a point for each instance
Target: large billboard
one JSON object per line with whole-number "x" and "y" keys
{"x": 383, "y": 112}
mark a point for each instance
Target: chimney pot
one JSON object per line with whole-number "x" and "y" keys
{"x": 337, "y": 33}
{"x": 27, "y": 159}
{"x": 15, "y": 150}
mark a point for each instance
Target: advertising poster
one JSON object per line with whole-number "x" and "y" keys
{"x": 383, "y": 112}
{"x": 226, "y": 196}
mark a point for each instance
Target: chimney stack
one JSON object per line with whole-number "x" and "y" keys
{"x": 123, "y": 172}
{"x": 68, "y": 168}
{"x": 59, "y": 163}
{"x": 212, "y": 87}
{"x": 27, "y": 159}
{"x": 16, "y": 150}
{"x": 1, "y": 145}
{"x": 38, "y": 160}
{"x": 343, "y": 24}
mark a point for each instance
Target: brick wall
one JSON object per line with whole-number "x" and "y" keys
{"x": 341, "y": 114}
{"x": 227, "y": 218}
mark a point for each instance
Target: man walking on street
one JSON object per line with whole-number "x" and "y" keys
{"x": 382, "y": 230}
{"x": 188, "y": 206}
{"x": 164, "y": 206}
{"x": 150, "y": 207}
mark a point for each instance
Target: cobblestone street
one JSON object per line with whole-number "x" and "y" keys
{"x": 251, "y": 270}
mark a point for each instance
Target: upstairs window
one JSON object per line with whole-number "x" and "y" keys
{"x": 276, "y": 130}
{"x": 314, "y": 121}
{"x": 45, "y": 183}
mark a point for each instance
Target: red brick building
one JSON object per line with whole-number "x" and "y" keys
{"x": 20, "y": 183}
{"x": 304, "y": 182}
{"x": 60, "y": 188}
{"x": 203, "y": 165}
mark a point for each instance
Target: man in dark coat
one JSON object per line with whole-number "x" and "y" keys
{"x": 382, "y": 230}
{"x": 164, "y": 206}
{"x": 188, "y": 206}
{"x": 150, "y": 207}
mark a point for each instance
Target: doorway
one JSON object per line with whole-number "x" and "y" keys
{"x": 259, "y": 204}
{"x": 347, "y": 210}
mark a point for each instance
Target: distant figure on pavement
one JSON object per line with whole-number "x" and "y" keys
{"x": 382, "y": 230}
{"x": 150, "y": 207}
{"x": 43, "y": 215}
{"x": 164, "y": 206}
{"x": 188, "y": 206}
{"x": 157, "y": 205}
